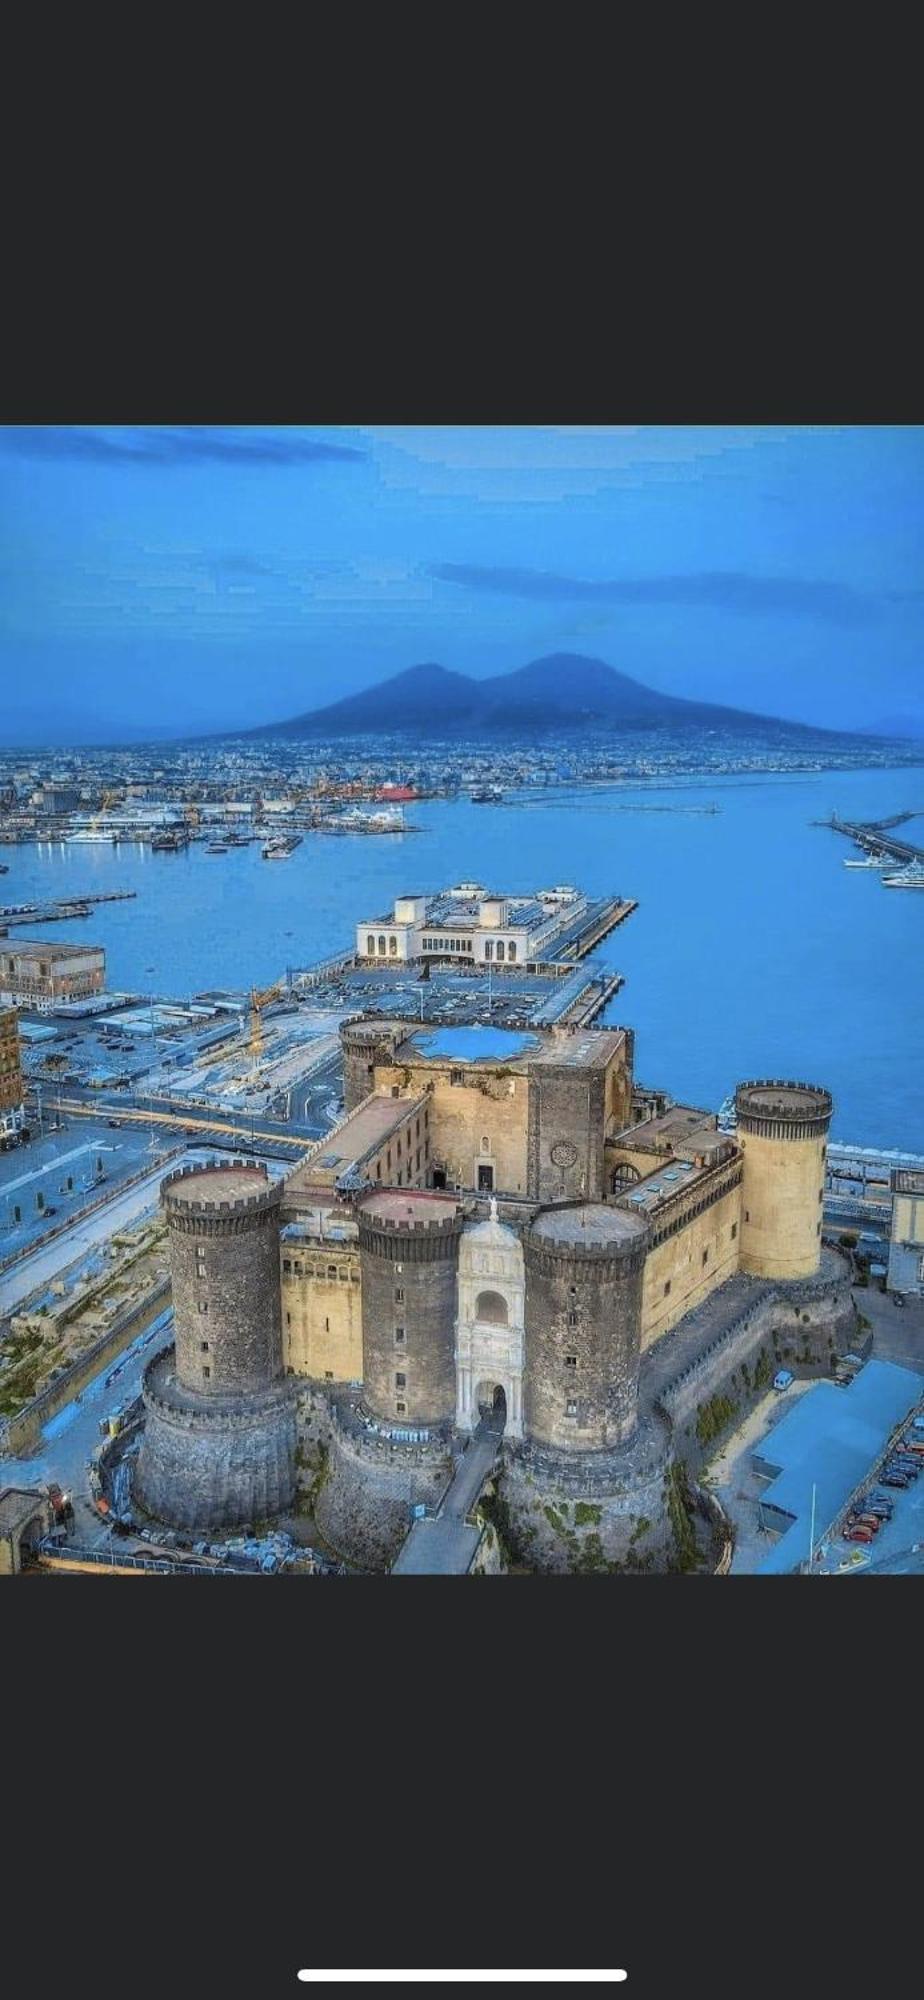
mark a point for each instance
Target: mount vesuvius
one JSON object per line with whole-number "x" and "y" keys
{"x": 560, "y": 692}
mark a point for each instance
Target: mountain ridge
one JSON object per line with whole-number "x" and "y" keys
{"x": 556, "y": 692}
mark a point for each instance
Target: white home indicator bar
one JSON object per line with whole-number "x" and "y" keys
{"x": 548, "y": 1978}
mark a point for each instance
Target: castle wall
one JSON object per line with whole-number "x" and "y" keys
{"x": 567, "y": 1115}
{"x": 682, "y": 1270}
{"x": 489, "y": 1104}
{"x": 216, "y": 1468}
{"x": 803, "y": 1333}
{"x": 322, "y": 1332}
{"x": 363, "y": 1504}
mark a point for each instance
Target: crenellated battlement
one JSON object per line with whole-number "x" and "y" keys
{"x": 777, "y": 1108}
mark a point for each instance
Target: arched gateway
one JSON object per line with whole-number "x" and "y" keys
{"x": 489, "y": 1328}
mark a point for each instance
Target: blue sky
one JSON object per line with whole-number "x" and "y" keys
{"x": 162, "y": 580}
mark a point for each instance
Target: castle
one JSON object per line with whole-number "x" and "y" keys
{"x": 503, "y": 1225}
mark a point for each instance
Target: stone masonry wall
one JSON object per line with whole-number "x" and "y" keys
{"x": 409, "y": 1284}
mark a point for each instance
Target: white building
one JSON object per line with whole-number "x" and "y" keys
{"x": 469, "y": 924}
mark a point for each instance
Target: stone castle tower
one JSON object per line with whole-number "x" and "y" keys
{"x": 584, "y": 1266}
{"x": 408, "y": 1252}
{"x": 219, "y": 1439}
{"x": 782, "y": 1130}
{"x": 365, "y": 1045}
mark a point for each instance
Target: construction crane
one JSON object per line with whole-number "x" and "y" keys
{"x": 260, "y": 998}
{"x": 109, "y": 799}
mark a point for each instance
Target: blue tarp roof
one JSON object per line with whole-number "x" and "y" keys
{"x": 830, "y": 1439}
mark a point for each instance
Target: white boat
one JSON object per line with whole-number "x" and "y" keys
{"x": 871, "y": 861}
{"x": 911, "y": 877}
{"x": 98, "y": 834}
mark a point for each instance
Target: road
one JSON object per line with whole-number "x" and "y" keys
{"x": 53, "y": 1257}
{"x": 184, "y": 1118}
{"x": 444, "y": 1543}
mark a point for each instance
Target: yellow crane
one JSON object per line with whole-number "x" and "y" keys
{"x": 260, "y": 997}
{"x": 109, "y": 799}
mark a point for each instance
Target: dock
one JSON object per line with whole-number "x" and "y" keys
{"x": 877, "y": 836}
{"x": 61, "y": 910}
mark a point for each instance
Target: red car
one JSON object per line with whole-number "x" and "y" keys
{"x": 865, "y": 1521}
{"x": 858, "y": 1534}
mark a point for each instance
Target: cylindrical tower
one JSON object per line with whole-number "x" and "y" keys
{"x": 223, "y": 1226}
{"x": 584, "y": 1264}
{"x": 409, "y": 1248}
{"x": 364, "y": 1044}
{"x": 782, "y": 1132}
{"x": 219, "y": 1438}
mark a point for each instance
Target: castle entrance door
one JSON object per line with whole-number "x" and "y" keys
{"x": 492, "y": 1406}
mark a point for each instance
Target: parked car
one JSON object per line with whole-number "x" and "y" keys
{"x": 858, "y": 1535}
{"x": 782, "y": 1379}
{"x": 895, "y": 1479}
{"x": 883, "y": 1508}
{"x": 865, "y": 1521}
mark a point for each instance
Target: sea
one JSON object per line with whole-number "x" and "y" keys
{"x": 753, "y": 952}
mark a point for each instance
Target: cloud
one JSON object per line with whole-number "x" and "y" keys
{"x": 193, "y": 444}
{"x": 725, "y": 590}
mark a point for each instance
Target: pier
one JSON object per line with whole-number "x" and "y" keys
{"x": 61, "y": 910}
{"x": 877, "y": 835}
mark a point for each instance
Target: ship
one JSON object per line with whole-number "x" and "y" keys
{"x": 280, "y": 846}
{"x": 870, "y": 861}
{"x": 98, "y": 834}
{"x": 911, "y": 877}
{"x": 216, "y": 847}
{"x": 170, "y": 841}
{"x": 486, "y": 795}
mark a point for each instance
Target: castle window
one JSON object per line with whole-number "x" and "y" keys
{"x": 378, "y": 1170}
{"x": 821, "y": 1194}
{"x": 571, "y": 1409}
{"x": 399, "y": 1295}
{"x": 203, "y": 1347}
{"x": 486, "y": 1144}
{"x": 400, "y": 1409}
{"x": 287, "y": 1263}
{"x": 393, "y": 947}
{"x": 500, "y": 948}
{"x": 572, "y": 1319}
{"x": 417, "y": 1160}
{"x": 457, "y": 1076}
{"x": 370, "y": 946}
{"x": 489, "y": 949}
{"x": 571, "y": 1361}
{"x": 203, "y": 1305}
{"x": 747, "y": 1215}
{"x": 734, "y": 1230}
{"x": 400, "y": 1381}
{"x": 818, "y": 1229}
{"x": 511, "y": 952}
{"x": 206, "y": 1373}
{"x": 399, "y": 1142}
{"x": 327, "y": 1326}
{"x": 667, "y": 1286}
{"x": 382, "y": 946}
{"x": 573, "y": 1290}
{"x": 399, "y": 1336}
{"x": 288, "y": 1319}
{"x": 342, "y": 1275}
{"x": 328, "y": 1374}
{"x": 332, "y": 1270}
{"x": 705, "y": 1256}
